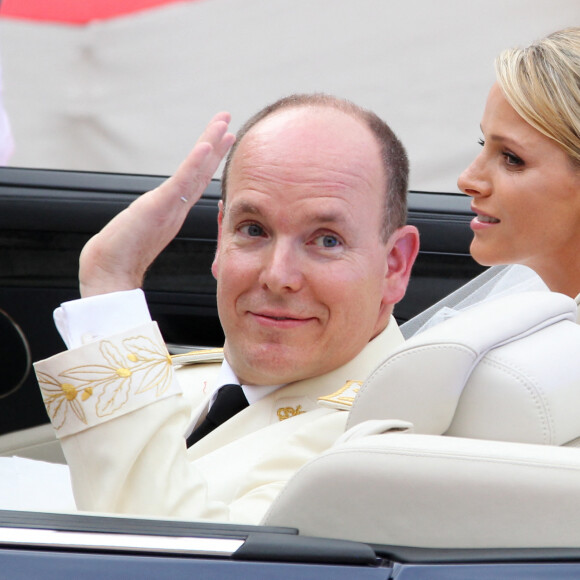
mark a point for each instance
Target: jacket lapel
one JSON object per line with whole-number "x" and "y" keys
{"x": 299, "y": 397}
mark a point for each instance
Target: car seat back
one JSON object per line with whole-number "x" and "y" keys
{"x": 504, "y": 379}
{"x": 507, "y": 369}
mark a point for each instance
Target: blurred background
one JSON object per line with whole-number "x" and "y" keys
{"x": 127, "y": 85}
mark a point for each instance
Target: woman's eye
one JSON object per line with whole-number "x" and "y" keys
{"x": 252, "y": 230}
{"x": 512, "y": 159}
{"x": 327, "y": 241}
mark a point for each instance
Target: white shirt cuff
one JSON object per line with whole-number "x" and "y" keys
{"x": 88, "y": 319}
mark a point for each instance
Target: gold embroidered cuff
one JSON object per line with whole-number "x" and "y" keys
{"x": 126, "y": 372}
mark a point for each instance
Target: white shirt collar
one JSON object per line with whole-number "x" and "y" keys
{"x": 253, "y": 393}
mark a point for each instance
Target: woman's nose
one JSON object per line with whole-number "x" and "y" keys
{"x": 473, "y": 180}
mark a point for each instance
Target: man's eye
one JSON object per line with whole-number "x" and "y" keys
{"x": 327, "y": 241}
{"x": 252, "y": 230}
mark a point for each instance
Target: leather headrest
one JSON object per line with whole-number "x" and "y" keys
{"x": 505, "y": 369}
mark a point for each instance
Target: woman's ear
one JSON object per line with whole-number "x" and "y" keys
{"x": 220, "y": 219}
{"x": 403, "y": 247}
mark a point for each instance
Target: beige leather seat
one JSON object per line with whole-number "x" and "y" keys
{"x": 501, "y": 382}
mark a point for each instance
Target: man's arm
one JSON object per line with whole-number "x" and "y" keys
{"x": 91, "y": 387}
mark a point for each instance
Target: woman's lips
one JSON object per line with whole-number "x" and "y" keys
{"x": 487, "y": 219}
{"x": 482, "y": 220}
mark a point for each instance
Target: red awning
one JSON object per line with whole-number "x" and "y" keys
{"x": 75, "y": 11}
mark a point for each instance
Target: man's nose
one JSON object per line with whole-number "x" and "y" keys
{"x": 473, "y": 180}
{"x": 282, "y": 269}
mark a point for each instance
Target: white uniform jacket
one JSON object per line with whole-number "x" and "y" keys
{"x": 122, "y": 412}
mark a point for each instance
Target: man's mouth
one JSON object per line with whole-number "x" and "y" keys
{"x": 274, "y": 317}
{"x": 286, "y": 320}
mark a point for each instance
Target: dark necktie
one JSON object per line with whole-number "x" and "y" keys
{"x": 230, "y": 400}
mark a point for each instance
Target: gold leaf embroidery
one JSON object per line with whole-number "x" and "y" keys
{"x": 153, "y": 361}
{"x": 114, "y": 381}
{"x": 70, "y": 391}
{"x": 59, "y": 398}
{"x": 287, "y": 412}
{"x": 112, "y": 354}
{"x": 137, "y": 365}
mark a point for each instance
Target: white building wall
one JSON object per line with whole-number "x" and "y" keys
{"x": 132, "y": 94}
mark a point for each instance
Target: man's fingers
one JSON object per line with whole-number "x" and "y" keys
{"x": 196, "y": 171}
{"x": 192, "y": 175}
{"x": 220, "y": 120}
{"x": 224, "y": 146}
{"x": 117, "y": 257}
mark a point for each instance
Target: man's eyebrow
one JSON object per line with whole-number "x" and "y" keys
{"x": 331, "y": 217}
{"x": 242, "y": 208}
{"x": 238, "y": 210}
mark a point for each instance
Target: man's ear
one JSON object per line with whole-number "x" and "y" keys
{"x": 403, "y": 247}
{"x": 220, "y": 219}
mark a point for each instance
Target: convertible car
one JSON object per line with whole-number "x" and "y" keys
{"x": 494, "y": 498}
{"x": 46, "y": 216}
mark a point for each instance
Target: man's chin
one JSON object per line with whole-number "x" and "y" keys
{"x": 268, "y": 368}
{"x": 266, "y": 375}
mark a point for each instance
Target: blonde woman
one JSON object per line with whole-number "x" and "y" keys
{"x": 525, "y": 183}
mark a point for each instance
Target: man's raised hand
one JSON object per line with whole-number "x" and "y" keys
{"x": 118, "y": 256}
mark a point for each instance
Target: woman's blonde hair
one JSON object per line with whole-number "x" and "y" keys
{"x": 542, "y": 83}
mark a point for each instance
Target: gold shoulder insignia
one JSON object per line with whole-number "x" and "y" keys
{"x": 343, "y": 398}
{"x": 207, "y": 355}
